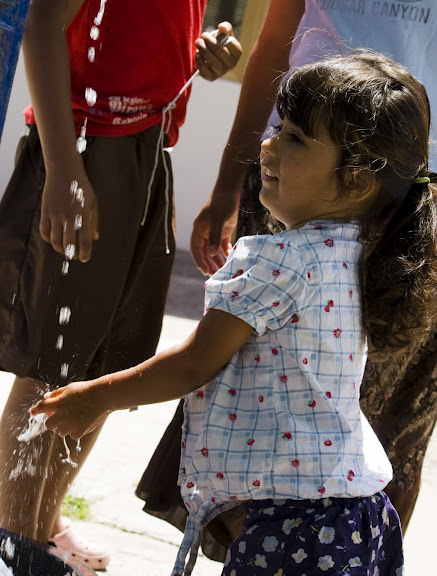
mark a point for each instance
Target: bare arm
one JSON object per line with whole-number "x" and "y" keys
{"x": 215, "y": 223}
{"x": 78, "y": 408}
{"x": 48, "y": 73}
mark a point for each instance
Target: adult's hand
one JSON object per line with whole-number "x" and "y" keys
{"x": 69, "y": 214}
{"x": 212, "y": 232}
{"x": 213, "y": 58}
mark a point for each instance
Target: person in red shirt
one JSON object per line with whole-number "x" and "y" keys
{"x": 93, "y": 167}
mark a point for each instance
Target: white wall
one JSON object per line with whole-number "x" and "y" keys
{"x": 195, "y": 158}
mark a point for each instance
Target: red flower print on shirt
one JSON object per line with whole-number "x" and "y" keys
{"x": 294, "y": 318}
{"x": 344, "y": 265}
{"x": 232, "y": 392}
{"x": 251, "y": 442}
{"x": 257, "y": 358}
{"x": 235, "y": 246}
{"x": 327, "y": 442}
{"x": 283, "y": 379}
{"x": 233, "y": 497}
{"x": 256, "y": 483}
{"x": 318, "y": 227}
{"x": 238, "y": 273}
{"x": 286, "y": 436}
{"x": 276, "y": 303}
{"x": 190, "y": 484}
{"x": 200, "y": 394}
{"x": 261, "y": 399}
{"x": 295, "y": 463}
{"x": 329, "y": 305}
{"x": 280, "y": 245}
{"x": 274, "y": 351}
{"x": 305, "y": 361}
{"x": 184, "y": 471}
{"x": 204, "y": 452}
{"x": 328, "y": 242}
{"x": 328, "y": 394}
{"x": 351, "y": 357}
{"x": 276, "y": 273}
{"x": 350, "y": 475}
{"x": 234, "y": 294}
{"x": 219, "y": 475}
{"x": 183, "y": 444}
{"x": 312, "y": 404}
{"x": 309, "y": 275}
{"x": 232, "y": 417}
{"x": 321, "y": 489}
{"x": 337, "y": 333}
{"x": 354, "y": 386}
{"x": 351, "y": 293}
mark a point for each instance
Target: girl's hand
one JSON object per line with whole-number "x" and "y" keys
{"x": 69, "y": 214}
{"x": 73, "y": 410}
{"x": 214, "y": 59}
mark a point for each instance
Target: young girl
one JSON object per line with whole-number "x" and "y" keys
{"x": 290, "y": 320}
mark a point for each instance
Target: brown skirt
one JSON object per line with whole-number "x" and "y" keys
{"x": 399, "y": 400}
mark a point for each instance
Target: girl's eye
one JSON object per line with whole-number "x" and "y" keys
{"x": 294, "y": 138}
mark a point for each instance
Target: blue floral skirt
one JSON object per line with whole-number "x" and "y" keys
{"x": 330, "y": 536}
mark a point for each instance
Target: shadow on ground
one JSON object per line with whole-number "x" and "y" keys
{"x": 186, "y": 292}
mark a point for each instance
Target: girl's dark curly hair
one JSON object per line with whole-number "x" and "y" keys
{"x": 378, "y": 115}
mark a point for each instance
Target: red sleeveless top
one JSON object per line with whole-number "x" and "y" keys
{"x": 136, "y": 58}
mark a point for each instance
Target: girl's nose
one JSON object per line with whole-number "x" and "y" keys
{"x": 267, "y": 145}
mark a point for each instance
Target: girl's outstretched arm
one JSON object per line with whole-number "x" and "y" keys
{"x": 78, "y": 408}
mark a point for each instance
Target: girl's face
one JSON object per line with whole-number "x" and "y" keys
{"x": 299, "y": 178}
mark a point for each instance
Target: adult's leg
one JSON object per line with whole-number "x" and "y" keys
{"x": 33, "y": 485}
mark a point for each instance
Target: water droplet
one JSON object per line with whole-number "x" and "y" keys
{"x": 13, "y": 298}
{"x": 67, "y": 459}
{"x": 98, "y": 19}
{"x": 60, "y": 342}
{"x": 78, "y": 222}
{"x": 90, "y": 96}
{"x": 78, "y": 446}
{"x": 70, "y": 251}
{"x": 80, "y": 197}
{"x": 91, "y": 54}
{"x": 64, "y": 370}
{"x": 81, "y": 145}
{"x": 64, "y": 315}
{"x": 94, "y": 32}
{"x": 65, "y": 267}
{"x": 73, "y": 187}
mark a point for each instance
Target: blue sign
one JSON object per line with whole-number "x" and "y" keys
{"x": 13, "y": 14}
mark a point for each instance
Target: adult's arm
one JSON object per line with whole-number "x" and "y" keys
{"x": 48, "y": 74}
{"x": 213, "y": 227}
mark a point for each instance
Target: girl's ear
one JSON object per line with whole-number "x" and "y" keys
{"x": 360, "y": 184}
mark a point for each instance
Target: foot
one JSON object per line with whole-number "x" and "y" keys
{"x": 68, "y": 540}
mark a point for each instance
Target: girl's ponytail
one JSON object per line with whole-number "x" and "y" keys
{"x": 400, "y": 274}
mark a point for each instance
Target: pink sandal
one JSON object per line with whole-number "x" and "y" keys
{"x": 69, "y": 541}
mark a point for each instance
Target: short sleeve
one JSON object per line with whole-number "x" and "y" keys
{"x": 262, "y": 283}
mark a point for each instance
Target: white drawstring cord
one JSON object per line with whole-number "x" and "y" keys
{"x": 165, "y": 126}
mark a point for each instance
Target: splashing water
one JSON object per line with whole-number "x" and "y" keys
{"x": 67, "y": 459}
{"x": 91, "y": 54}
{"x": 65, "y": 267}
{"x": 81, "y": 141}
{"x": 35, "y": 426}
{"x": 4, "y": 569}
{"x": 78, "y": 222}
{"x": 64, "y": 315}
{"x": 7, "y": 547}
{"x": 70, "y": 251}
{"x": 94, "y": 32}
{"x": 60, "y": 342}
{"x": 90, "y": 96}
{"x": 64, "y": 370}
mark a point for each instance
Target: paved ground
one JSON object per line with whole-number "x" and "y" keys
{"x": 141, "y": 544}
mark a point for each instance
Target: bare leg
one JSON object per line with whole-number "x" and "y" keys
{"x": 59, "y": 478}
{"x": 33, "y": 480}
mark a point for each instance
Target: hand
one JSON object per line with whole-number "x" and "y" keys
{"x": 72, "y": 410}
{"x": 66, "y": 219}
{"x": 214, "y": 60}
{"x": 212, "y": 232}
